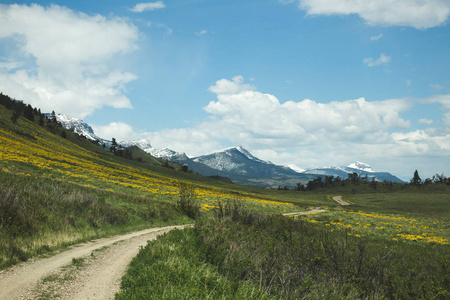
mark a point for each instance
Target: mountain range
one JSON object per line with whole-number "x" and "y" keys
{"x": 235, "y": 163}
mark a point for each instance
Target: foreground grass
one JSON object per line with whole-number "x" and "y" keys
{"x": 39, "y": 215}
{"x": 174, "y": 267}
{"x": 273, "y": 256}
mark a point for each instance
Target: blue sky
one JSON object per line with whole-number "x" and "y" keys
{"x": 306, "y": 82}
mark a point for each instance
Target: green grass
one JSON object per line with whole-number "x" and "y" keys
{"x": 40, "y": 215}
{"x": 173, "y": 267}
{"x": 277, "y": 257}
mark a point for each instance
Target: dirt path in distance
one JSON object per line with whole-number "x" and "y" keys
{"x": 339, "y": 200}
{"x": 314, "y": 210}
{"x": 99, "y": 279}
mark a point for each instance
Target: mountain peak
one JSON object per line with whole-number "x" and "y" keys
{"x": 360, "y": 166}
{"x": 78, "y": 126}
{"x": 296, "y": 168}
{"x": 143, "y": 144}
{"x": 241, "y": 150}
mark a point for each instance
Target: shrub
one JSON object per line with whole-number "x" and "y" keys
{"x": 187, "y": 203}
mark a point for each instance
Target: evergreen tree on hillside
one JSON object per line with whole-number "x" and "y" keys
{"x": 416, "y": 180}
{"x": 113, "y": 147}
{"x": 29, "y": 113}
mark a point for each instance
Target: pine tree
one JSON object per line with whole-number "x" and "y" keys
{"x": 416, "y": 180}
{"x": 113, "y": 147}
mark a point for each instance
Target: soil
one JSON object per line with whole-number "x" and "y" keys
{"x": 86, "y": 271}
{"x": 339, "y": 200}
{"x": 313, "y": 210}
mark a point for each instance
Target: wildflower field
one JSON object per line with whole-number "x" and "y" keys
{"x": 28, "y": 149}
{"x": 386, "y": 226}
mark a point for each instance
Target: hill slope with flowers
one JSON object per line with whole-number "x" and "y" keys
{"x": 58, "y": 188}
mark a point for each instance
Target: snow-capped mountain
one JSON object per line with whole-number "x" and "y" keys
{"x": 166, "y": 153}
{"x": 144, "y": 144}
{"x": 360, "y": 168}
{"x": 296, "y": 168}
{"x": 78, "y": 126}
{"x": 240, "y": 161}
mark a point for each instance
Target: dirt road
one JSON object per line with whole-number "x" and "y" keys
{"x": 314, "y": 210}
{"x": 339, "y": 200}
{"x": 99, "y": 279}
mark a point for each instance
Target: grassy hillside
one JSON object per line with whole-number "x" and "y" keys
{"x": 57, "y": 188}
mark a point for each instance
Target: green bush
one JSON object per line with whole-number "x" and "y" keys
{"x": 188, "y": 202}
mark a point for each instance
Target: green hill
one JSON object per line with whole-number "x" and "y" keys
{"x": 58, "y": 188}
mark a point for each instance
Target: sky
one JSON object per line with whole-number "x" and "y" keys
{"x": 307, "y": 82}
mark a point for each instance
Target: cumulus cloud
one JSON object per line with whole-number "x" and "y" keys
{"x": 141, "y": 7}
{"x": 243, "y": 113}
{"x": 227, "y": 87}
{"x": 382, "y": 60}
{"x": 419, "y": 14}
{"x": 119, "y": 130}
{"x": 61, "y": 60}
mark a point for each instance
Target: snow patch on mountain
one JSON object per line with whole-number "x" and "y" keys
{"x": 361, "y": 166}
{"x": 166, "y": 153}
{"x": 78, "y": 126}
{"x": 296, "y": 168}
{"x": 143, "y": 144}
{"x": 239, "y": 149}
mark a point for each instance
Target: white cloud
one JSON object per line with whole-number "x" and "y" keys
{"x": 10, "y": 65}
{"x": 224, "y": 86}
{"x": 141, "y": 7}
{"x": 419, "y": 14}
{"x": 444, "y": 100}
{"x": 118, "y": 130}
{"x": 425, "y": 121}
{"x": 382, "y": 60}
{"x": 254, "y": 115}
{"x": 62, "y": 58}
{"x": 446, "y": 119}
{"x": 376, "y": 37}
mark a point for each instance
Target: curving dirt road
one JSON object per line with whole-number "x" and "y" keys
{"x": 339, "y": 200}
{"x": 99, "y": 279}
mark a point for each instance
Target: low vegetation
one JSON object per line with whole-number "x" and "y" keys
{"x": 248, "y": 255}
{"x": 38, "y": 215}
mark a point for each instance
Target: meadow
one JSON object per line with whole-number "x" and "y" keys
{"x": 241, "y": 254}
{"x": 58, "y": 189}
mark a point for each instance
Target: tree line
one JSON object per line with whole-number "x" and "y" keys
{"x": 356, "y": 179}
